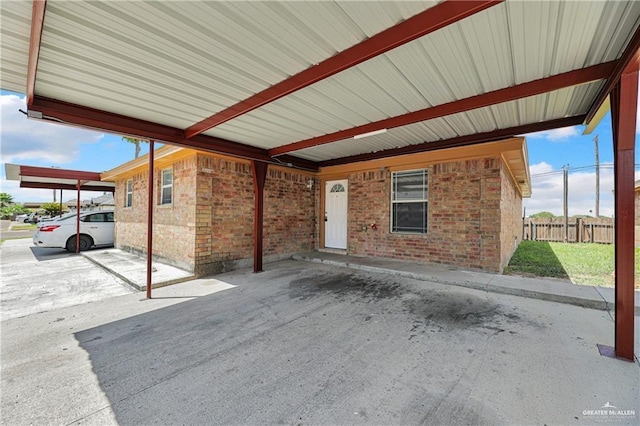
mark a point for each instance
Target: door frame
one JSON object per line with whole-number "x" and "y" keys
{"x": 323, "y": 207}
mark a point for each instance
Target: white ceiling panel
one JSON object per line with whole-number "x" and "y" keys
{"x": 199, "y": 57}
{"x": 176, "y": 63}
{"x": 544, "y": 107}
{"x": 497, "y": 48}
{"x": 15, "y": 25}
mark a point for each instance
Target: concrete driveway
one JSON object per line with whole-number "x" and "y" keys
{"x": 36, "y": 279}
{"x": 309, "y": 343}
{"x": 6, "y": 231}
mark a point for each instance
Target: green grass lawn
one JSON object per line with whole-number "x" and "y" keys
{"x": 583, "y": 263}
{"x": 23, "y": 227}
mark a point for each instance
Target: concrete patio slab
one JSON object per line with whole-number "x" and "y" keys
{"x": 133, "y": 268}
{"x": 307, "y": 343}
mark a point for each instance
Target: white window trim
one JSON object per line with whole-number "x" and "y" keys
{"x": 163, "y": 186}
{"x": 127, "y": 193}
{"x": 425, "y": 200}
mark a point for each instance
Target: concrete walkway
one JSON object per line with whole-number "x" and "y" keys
{"x": 133, "y": 269}
{"x": 553, "y": 290}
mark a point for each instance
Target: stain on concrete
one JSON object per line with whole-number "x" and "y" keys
{"x": 343, "y": 286}
{"x": 428, "y": 310}
{"x": 448, "y": 311}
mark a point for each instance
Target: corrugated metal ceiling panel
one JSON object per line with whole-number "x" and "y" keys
{"x": 177, "y": 62}
{"x": 465, "y": 59}
{"x": 195, "y": 58}
{"x": 15, "y": 25}
{"x": 549, "y": 106}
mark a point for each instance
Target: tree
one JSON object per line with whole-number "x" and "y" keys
{"x": 5, "y": 199}
{"x": 8, "y": 212}
{"x": 543, "y": 215}
{"x": 136, "y": 142}
{"x": 52, "y": 209}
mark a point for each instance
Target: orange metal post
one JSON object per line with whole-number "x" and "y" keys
{"x": 259, "y": 170}
{"x": 624, "y": 100}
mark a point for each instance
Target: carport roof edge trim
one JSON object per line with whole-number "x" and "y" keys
{"x": 51, "y": 178}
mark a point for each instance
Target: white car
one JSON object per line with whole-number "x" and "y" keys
{"x": 96, "y": 229}
{"x": 21, "y": 217}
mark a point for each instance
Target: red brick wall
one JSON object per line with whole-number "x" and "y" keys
{"x": 289, "y": 213}
{"x": 173, "y": 224}
{"x": 209, "y": 226}
{"x": 511, "y": 217}
{"x": 224, "y": 228}
{"x": 464, "y": 216}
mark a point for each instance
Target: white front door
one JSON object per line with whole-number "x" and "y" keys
{"x": 335, "y": 218}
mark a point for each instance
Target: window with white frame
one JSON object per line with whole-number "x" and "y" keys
{"x": 128, "y": 201}
{"x": 409, "y": 201}
{"x": 167, "y": 186}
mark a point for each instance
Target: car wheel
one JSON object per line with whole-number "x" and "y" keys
{"x": 85, "y": 243}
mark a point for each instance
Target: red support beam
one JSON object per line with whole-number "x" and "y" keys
{"x": 150, "y": 206}
{"x": 473, "y": 139}
{"x": 78, "y": 204}
{"x": 78, "y": 115}
{"x": 49, "y": 172}
{"x": 61, "y": 186}
{"x": 629, "y": 56}
{"x": 259, "y": 171}
{"x": 532, "y": 88}
{"x": 37, "y": 24}
{"x": 624, "y": 101}
{"x": 432, "y": 19}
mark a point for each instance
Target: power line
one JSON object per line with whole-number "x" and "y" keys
{"x": 580, "y": 168}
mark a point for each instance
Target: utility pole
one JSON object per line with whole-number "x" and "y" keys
{"x": 595, "y": 140}
{"x": 565, "y": 173}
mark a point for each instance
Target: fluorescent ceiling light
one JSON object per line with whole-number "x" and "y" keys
{"x": 375, "y": 132}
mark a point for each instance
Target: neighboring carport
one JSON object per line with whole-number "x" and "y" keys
{"x": 297, "y": 83}
{"x": 53, "y": 178}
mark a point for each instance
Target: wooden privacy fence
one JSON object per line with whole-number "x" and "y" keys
{"x": 581, "y": 230}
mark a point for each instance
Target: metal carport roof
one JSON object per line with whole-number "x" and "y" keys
{"x": 54, "y": 178}
{"x": 270, "y": 79}
{"x": 297, "y": 82}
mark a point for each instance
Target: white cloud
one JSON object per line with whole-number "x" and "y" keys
{"x": 547, "y": 191}
{"x": 557, "y": 134}
{"x": 29, "y": 140}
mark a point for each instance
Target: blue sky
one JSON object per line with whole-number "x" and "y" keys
{"x": 50, "y": 145}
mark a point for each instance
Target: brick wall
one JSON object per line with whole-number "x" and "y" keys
{"x": 464, "y": 216}
{"x": 209, "y": 226}
{"x": 224, "y": 227}
{"x": 173, "y": 224}
{"x": 511, "y": 217}
{"x": 289, "y": 213}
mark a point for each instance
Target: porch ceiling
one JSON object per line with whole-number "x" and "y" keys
{"x": 185, "y": 66}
